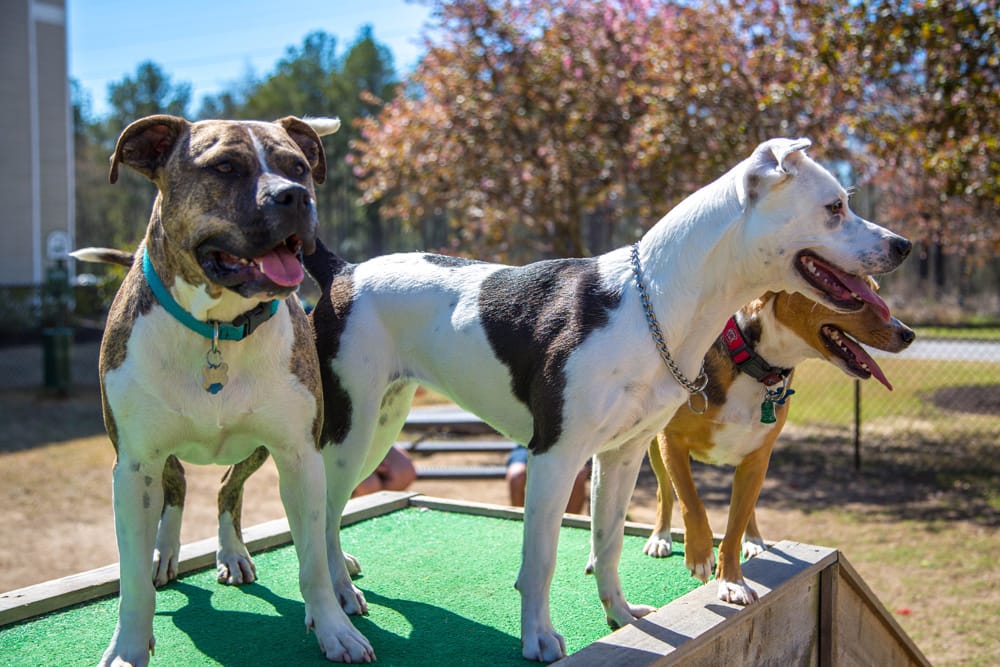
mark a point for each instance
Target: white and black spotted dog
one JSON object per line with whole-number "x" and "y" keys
{"x": 558, "y": 354}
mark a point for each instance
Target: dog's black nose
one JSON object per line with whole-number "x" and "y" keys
{"x": 291, "y": 195}
{"x": 907, "y": 335}
{"x": 900, "y": 248}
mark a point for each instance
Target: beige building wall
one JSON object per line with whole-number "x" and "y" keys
{"x": 36, "y": 160}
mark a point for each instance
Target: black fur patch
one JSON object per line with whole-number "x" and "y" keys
{"x": 448, "y": 262}
{"x": 329, "y": 320}
{"x": 534, "y": 317}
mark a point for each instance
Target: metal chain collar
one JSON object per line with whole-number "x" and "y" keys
{"x": 700, "y": 382}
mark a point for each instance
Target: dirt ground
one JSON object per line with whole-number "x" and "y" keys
{"x": 920, "y": 525}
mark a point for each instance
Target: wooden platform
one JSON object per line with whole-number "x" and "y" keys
{"x": 814, "y": 609}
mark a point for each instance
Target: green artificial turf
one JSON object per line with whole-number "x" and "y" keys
{"x": 440, "y": 590}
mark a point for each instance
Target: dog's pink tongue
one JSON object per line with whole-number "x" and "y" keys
{"x": 865, "y": 359}
{"x": 860, "y": 289}
{"x": 282, "y": 266}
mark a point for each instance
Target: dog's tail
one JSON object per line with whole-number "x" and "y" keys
{"x": 105, "y": 255}
{"x": 323, "y": 265}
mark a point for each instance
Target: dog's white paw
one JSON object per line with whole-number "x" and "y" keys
{"x": 702, "y": 569}
{"x": 543, "y": 646}
{"x": 122, "y": 651}
{"x": 353, "y": 565}
{"x": 165, "y": 565}
{"x": 658, "y": 545}
{"x": 737, "y": 592}
{"x": 340, "y": 642}
{"x": 624, "y": 615}
{"x": 753, "y": 546}
{"x": 235, "y": 566}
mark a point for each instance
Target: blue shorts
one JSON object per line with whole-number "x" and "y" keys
{"x": 518, "y": 455}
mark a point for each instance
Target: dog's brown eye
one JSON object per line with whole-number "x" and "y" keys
{"x": 224, "y": 167}
{"x": 299, "y": 169}
{"x": 836, "y": 208}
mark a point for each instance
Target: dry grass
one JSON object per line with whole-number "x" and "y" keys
{"x": 919, "y": 523}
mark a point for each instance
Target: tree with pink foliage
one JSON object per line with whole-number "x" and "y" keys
{"x": 564, "y": 127}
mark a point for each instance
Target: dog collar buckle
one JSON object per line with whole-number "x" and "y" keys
{"x": 248, "y": 322}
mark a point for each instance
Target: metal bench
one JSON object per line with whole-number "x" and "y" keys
{"x": 435, "y": 427}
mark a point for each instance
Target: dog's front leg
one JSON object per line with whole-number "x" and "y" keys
{"x": 753, "y": 541}
{"x": 344, "y": 463}
{"x": 550, "y": 481}
{"x": 137, "y": 499}
{"x": 699, "y": 553}
{"x": 302, "y": 483}
{"x": 747, "y": 483}
{"x": 614, "y": 476}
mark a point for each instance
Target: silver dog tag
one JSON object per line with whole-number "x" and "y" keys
{"x": 216, "y": 372}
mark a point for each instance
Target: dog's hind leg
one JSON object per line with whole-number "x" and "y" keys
{"x": 660, "y": 543}
{"x": 232, "y": 561}
{"x": 614, "y": 477}
{"x": 166, "y": 553}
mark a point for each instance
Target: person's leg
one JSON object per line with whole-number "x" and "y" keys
{"x": 517, "y": 475}
{"x": 396, "y": 470}
{"x": 579, "y": 494}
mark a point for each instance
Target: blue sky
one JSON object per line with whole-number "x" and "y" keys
{"x": 213, "y": 43}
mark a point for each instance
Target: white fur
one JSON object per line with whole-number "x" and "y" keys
{"x": 723, "y": 246}
{"x": 161, "y": 409}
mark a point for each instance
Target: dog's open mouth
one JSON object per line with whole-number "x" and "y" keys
{"x": 856, "y": 360}
{"x": 280, "y": 265}
{"x": 845, "y": 291}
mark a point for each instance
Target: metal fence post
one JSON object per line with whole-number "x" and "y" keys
{"x": 857, "y": 425}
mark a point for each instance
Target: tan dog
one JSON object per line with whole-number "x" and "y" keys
{"x": 738, "y": 426}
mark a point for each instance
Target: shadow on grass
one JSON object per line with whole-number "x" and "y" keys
{"x": 418, "y": 633}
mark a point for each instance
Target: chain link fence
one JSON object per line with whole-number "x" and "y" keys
{"x": 939, "y": 425}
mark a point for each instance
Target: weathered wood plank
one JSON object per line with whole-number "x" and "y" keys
{"x": 698, "y": 629}
{"x": 866, "y": 633}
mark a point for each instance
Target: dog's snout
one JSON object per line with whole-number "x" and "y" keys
{"x": 907, "y": 335}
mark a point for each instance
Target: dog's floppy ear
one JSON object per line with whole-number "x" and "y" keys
{"x": 771, "y": 163}
{"x": 146, "y": 144}
{"x": 307, "y": 133}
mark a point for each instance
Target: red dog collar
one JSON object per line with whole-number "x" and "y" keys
{"x": 748, "y": 361}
